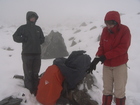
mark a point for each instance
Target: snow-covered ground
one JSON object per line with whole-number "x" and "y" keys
{"x": 66, "y": 17}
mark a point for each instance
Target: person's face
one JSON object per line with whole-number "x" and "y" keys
{"x": 109, "y": 24}
{"x": 32, "y": 19}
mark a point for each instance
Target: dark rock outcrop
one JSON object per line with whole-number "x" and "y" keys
{"x": 54, "y": 46}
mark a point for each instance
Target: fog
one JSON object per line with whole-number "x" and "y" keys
{"x": 59, "y": 11}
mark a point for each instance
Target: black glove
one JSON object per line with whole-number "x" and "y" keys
{"x": 93, "y": 65}
{"x": 102, "y": 59}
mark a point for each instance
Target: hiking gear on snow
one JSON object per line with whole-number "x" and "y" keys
{"x": 74, "y": 68}
{"x": 31, "y": 67}
{"x": 102, "y": 59}
{"x": 11, "y": 101}
{"x": 50, "y": 86}
{"x": 120, "y": 101}
{"x": 30, "y": 35}
{"x": 93, "y": 65}
{"x": 106, "y": 99}
{"x": 114, "y": 45}
{"x": 116, "y": 76}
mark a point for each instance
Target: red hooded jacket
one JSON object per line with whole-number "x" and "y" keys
{"x": 114, "y": 45}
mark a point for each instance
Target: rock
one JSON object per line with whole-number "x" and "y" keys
{"x": 78, "y": 96}
{"x": 94, "y": 27}
{"x": 54, "y": 46}
{"x": 77, "y": 31}
{"x": 83, "y": 24}
{"x": 81, "y": 96}
{"x": 72, "y": 38}
{"x": 73, "y": 43}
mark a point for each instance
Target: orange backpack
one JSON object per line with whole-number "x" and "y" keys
{"x": 50, "y": 86}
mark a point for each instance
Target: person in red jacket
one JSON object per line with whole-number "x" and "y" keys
{"x": 112, "y": 53}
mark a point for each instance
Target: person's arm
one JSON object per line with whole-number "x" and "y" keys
{"x": 18, "y": 35}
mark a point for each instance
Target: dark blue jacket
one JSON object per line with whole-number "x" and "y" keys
{"x": 74, "y": 68}
{"x": 30, "y": 35}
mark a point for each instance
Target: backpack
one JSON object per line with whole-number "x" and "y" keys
{"x": 50, "y": 86}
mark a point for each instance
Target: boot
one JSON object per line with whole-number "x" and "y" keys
{"x": 120, "y": 101}
{"x": 107, "y": 99}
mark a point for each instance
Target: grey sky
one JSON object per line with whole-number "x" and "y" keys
{"x": 57, "y": 10}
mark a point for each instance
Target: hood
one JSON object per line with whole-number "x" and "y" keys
{"x": 30, "y": 14}
{"x": 113, "y": 15}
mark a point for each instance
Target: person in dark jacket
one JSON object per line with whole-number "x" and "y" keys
{"x": 31, "y": 37}
{"x": 112, "y": 52}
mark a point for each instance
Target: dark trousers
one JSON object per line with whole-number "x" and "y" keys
{"x": 31, "y": 67}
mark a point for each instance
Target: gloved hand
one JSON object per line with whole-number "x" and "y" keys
{"x": 93, "y": 65}
{"x": 102, "y": 59}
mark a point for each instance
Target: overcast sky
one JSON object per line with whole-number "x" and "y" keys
{"x": 14, "y": 11}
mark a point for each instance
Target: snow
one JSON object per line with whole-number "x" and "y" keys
{"x": 66, "y": 16}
